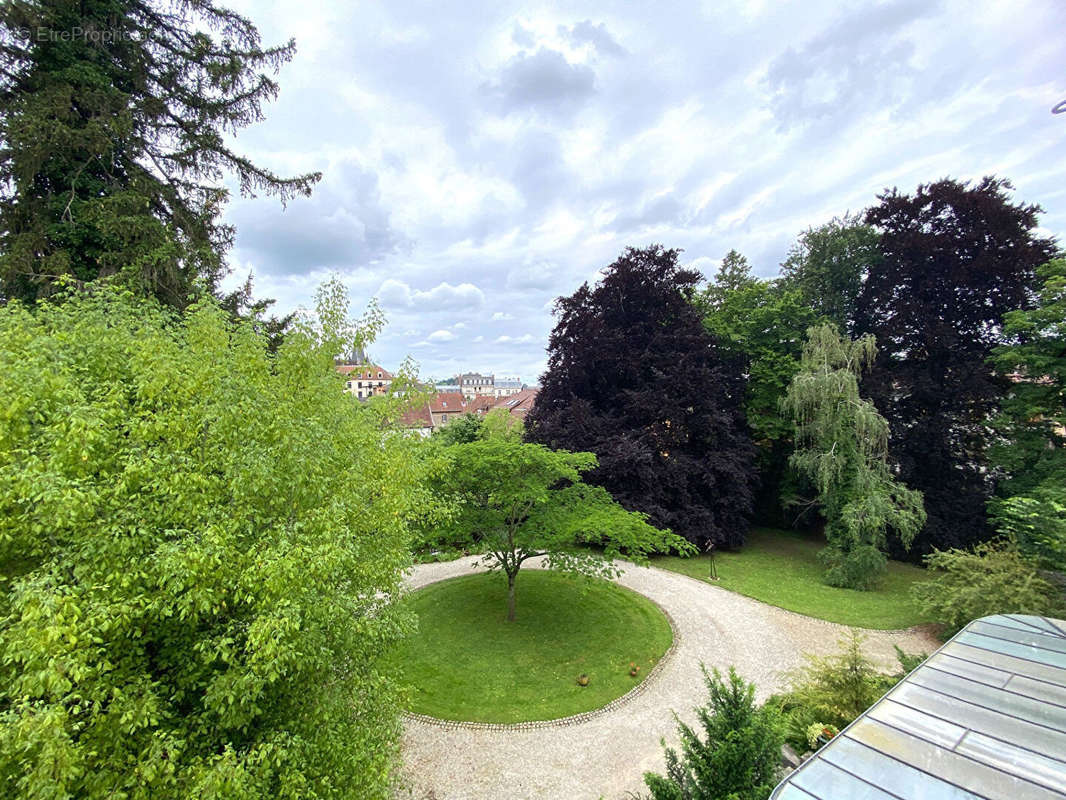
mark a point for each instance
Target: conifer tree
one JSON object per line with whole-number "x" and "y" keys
{"x": 113, "y": 118}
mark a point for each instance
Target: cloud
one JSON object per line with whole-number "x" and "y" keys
{"x": 493, "y": 156}
{"x": 524, "y": 339}
{"x": 543, "y": 81}
{"x": 443, "y": 296}
{"x": 859, "y": 64}
{"x": 498, "y": 315}
{"x": 343, "y": 225}
{"x": 597, "y": 35}
{"x": 440, "y": 336}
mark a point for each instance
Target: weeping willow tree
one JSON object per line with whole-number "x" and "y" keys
{"x": 842, "y": 447}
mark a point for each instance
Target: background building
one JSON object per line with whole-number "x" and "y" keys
{"x": 364, "y": 380}
{"x": 472, "y": 384}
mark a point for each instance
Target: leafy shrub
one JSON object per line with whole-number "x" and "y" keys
{"x": 993, "y": 578}
{"x": 200, "y": 543}
{"x": 860, "y": 568}
{"x": 1036, "y": 522}
{"x": 738, "y": 757}
{"x": 832, "y": 691}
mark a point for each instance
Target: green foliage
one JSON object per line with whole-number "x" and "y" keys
{"x": 842, "y": 447}
{"x": 992, "y": 578}
{"x": 460, "y": 431}
{"x": 115, "y": 116}
{"x": 500, "y": 423}
{"x": 827, "y": 264}
{"x": 765, "y": 324}
{"x": 1031, "y": 451}
{"x": 1036, "y": 523}
{"x": 834, "y": 690}
{"x": 200, "y": 545}
{"x": 514, "y": 501}
{"x": 738, "y": 755}
{"x": 734, "y": 275}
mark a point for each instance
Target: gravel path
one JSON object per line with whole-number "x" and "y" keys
{"x": 606, "y": 756}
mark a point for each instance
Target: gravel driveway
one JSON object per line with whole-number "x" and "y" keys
{"x": 606, "y": 756}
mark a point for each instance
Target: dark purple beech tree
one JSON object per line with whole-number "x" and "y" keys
{"x": 634, "y": 377}
{"x": 954, "y": 259}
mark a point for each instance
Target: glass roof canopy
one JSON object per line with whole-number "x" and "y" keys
{"x": 983, "y": 717}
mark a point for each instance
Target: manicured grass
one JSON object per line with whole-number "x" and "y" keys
{"x": 781, "y": 568}
{"x": 466, "y": 662}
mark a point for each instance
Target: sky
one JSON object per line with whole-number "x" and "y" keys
{"x": 480, "y": 159}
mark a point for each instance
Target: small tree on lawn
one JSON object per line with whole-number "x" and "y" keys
{"x": 736, "y": 758}
{"x": 519, "y": 501}
{"x": 842, "y": 446}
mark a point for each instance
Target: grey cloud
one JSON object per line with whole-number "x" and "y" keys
{"x": 543, "y": 81}
{"x": 342, "y": 225}
{"x": 597, "y": 35}
{"x": 658, "y": 211}
{"x": 535, "y": 275}
{"x": 858, "y": 64}
{"x": 521, "y": 35}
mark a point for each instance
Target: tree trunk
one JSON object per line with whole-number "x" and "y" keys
{"x": 511, "y": 596}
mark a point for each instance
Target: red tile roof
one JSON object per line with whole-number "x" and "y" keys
{"x": 481, "y": 403}
{"x": 519, "y": 404}
{"x": 447, "y": 403}
{"x": 417, "y": 417}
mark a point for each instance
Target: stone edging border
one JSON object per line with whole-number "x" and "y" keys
{"x": 562, "y": 722}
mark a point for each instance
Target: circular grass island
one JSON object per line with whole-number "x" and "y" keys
{"x": 466, "y": 662}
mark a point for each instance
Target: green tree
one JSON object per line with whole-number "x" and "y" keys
{"x": 734, "y": 274}
{"x": 991, "y": 578}
{"x": 201, "y": 543}
{"x": 764, "y": 323}
{"x": 113, "y": 118}
{"x": 738, "y": 755}
{"x": 1031, "y": 452}
{"x": 465, "y": 429}
{"x": 842, "y": 446}
{"x": 826, "y": 266}
{"x": 500, "y": 422}
{"x": 517, "y": 501}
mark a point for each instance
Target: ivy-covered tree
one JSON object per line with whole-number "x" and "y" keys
{"x": 113, "y": 118}
{"x": 954, "y": 259}
{"x": 1031, "y": 449}
{"x": 737, "y": 757}
{"x": 842, "y": 447}
{"x": 201, "y": 546}
{"x": 764, "y": 325}
{"x": 827, "y": 265}
{"x": 515, "y": 501}
{"x": 635, "y": 378}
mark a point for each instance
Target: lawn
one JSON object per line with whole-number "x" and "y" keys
{"x": 781, "y": 568}
{"x": 467, "y": 662}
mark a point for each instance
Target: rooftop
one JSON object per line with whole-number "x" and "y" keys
{"x": 983, "y": 717}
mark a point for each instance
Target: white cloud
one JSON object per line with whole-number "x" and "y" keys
{"x": 501, "y": 157}
{"x": 524, "y": 339}
{"x": 443, "y": 296}
{"x": 440, "y": 336}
